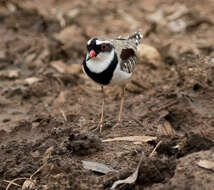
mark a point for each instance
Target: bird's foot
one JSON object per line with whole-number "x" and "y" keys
{"x": 99, "y": 127}
{"x": 118, "y": 124}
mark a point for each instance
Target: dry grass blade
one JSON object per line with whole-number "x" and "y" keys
{"x": 138, "y": 122}
{"x": 13, "y": 181}
{"x": 23, "y": 178}
{"x": 132, "y": 138}
{"x": 47, "y": 155}
{"x": 63, "y": 115}
{"x": 132, "y": 178}
{"x": 37, "y": 171}
{"x": 152, "y": 153}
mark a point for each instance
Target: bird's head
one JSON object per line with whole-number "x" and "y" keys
{"x": 98, "y": 49}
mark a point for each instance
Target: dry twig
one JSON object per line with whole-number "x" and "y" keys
{"x": 13, "y": 182}
{"x": 22, "y": 178}
{"x": 152, "y": 153}
{"x": 63, "y": 115}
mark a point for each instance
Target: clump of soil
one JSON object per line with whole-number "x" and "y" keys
{"x": 83, "y": 144}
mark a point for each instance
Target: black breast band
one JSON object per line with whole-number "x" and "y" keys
{"x": 105, "y": 76}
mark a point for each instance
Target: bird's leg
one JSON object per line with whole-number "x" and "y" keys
{"x": 121, "y": 104}
{"x": 101, "y": 123}
{"x": 121, "y": 107}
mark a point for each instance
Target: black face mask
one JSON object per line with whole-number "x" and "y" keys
{"x": 95, "y": 49}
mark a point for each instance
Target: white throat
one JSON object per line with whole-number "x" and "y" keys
{"x": 100, "y": 63}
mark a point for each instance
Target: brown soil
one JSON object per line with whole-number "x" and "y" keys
{"x": 48, "y": 122}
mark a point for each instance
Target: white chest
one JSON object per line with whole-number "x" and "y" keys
{"x": 100, "y": 63}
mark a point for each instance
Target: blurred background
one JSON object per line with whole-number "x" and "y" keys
{"x": 45, "y": 98}
{"x": 173, "y": 27}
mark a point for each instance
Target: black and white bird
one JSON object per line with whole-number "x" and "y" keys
{"x": 111, "y": 62}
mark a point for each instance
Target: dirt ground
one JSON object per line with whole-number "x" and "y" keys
{"x": 48, "y": 106}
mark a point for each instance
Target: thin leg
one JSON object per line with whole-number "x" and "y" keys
{"x": 102, "y": 110}
{"x": 121, "y": 104}
{"x": 121, "y": 107}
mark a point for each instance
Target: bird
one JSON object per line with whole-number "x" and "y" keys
{"x": 111, "y": 62}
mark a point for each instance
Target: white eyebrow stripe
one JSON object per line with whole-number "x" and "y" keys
{"x": 89, "y": 41}
{"x": 98, "y": 42}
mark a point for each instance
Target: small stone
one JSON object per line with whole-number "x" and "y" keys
{"x": 10, "y": 74}
{"x": 2, "y": 54}
{"x": 61, "y": 67}
{"x": 149, "y": 55}
{"x": 69, "y": 35}
{"x": 35, "y": 154}
{"x": 177, "y": 26}
{"x": 32, "y": 80}
{"x": 157, "y": 17}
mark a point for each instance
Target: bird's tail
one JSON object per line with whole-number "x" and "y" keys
{"x": 136, "y": 36}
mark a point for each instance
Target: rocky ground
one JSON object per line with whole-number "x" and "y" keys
{"x": 48, "y": 106}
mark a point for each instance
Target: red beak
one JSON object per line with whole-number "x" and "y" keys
{"x": 92, "y": 54}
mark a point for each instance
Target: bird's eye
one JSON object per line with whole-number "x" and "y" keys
{"x": 103, "y": 47}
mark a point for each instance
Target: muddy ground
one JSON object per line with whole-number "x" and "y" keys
{"x": 48, "y": 106}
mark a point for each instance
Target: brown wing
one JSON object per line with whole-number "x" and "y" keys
{"x": 128, "y": 60}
